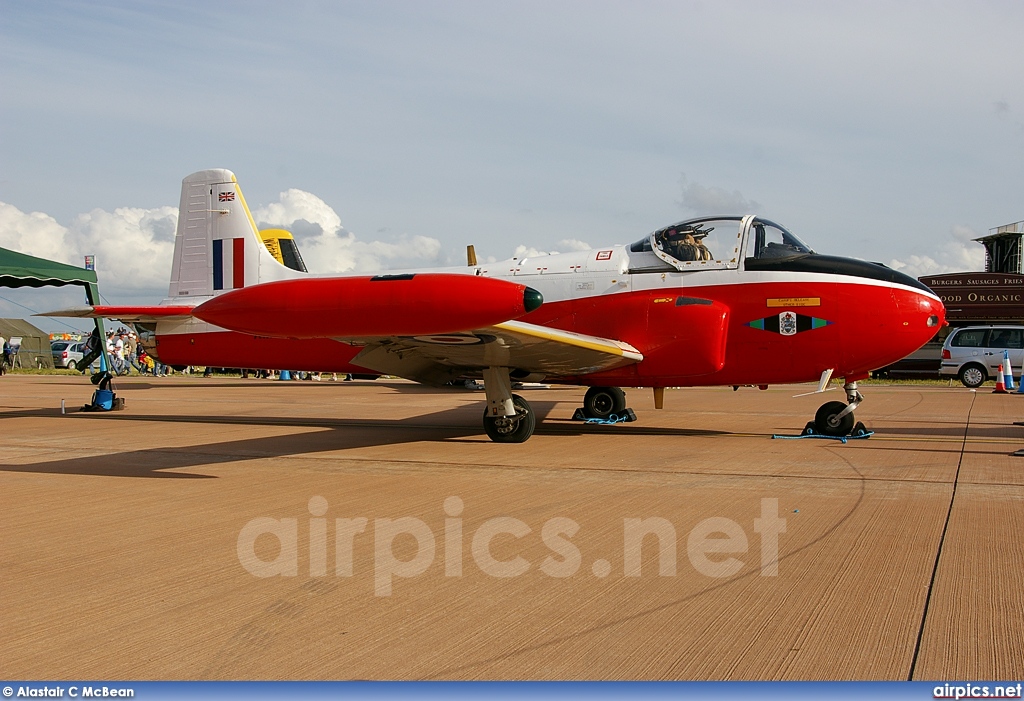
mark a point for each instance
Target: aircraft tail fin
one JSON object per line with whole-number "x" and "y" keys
{"x": 217, "y": 247}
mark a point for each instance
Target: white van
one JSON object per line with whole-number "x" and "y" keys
{"x": 974, "y": 353}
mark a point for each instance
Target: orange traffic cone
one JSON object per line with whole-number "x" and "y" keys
{"x": 1000, "y": 383}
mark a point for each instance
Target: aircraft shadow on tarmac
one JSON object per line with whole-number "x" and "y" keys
{"x": 141, "y": 382}
{"x": 956, "y": 431}
{"x": 136, "y": 382}
{"x": 458, "y": 424}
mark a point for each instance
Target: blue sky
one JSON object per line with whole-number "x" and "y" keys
{"x": 886, "y": 131}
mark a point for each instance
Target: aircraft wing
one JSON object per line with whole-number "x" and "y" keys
{"x": 439, "y": 358}
{"x": 514, "y": 344}
{"x": 143, "y": 314}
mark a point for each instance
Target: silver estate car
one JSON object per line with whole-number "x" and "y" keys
{"x": 974, "y": 353}
{"x": 67, "y": 354}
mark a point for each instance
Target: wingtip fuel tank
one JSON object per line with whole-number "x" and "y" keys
{"x": 412, "y": 304}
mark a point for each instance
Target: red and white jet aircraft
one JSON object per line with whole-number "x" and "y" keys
{"x": 749, "y": 304}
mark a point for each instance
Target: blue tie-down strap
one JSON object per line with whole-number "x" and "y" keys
{"x": 622, "y": 417}
{"x": 810, "y": 432}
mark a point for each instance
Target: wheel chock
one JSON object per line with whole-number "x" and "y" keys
{"x": 859, "y": 431}
{"x": 625, "y": 416}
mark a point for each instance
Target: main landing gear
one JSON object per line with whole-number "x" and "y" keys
{"x": 602, "y": 402}
{"x": 836, "y": 418}
{"x": 508, "y": 417}
{"x": 604, "y": 405}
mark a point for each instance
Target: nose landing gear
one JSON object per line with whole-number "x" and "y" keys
{"x": 836, "y": 418}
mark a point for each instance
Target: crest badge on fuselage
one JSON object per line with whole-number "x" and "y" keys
{"x": 789, "y": 323}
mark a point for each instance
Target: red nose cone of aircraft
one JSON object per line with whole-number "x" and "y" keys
{"x": 885, "y": 325}
{"x": 383, "y": 305}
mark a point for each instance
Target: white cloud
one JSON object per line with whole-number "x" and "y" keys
{"x": 714, "y": 200}
{"x": 132, "y": 246}
{"x": 297, "y": 205}
{"x": 573, "y": 245}
{"x": 522, "y": 251}
{"x": 966, "y": 235}
{"x": 960, "y": 254}
{"x": 35, "y": 234}
{"x": 564, "y": 246}
{"x": 327, "y": 247}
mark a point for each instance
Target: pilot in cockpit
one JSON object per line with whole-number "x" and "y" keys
{"x": 681, "y": 244}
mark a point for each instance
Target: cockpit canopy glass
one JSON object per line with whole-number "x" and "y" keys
{"x": 769, "y": 240}
{"x": 706, "y": 231}
{"x": 697, "y": 241}
{"x": 693, "y": 240}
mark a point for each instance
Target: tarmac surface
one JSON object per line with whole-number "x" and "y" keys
{"x": 212, "y": 531}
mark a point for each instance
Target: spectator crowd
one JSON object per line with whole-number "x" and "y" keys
{"x": 126, "y": 353}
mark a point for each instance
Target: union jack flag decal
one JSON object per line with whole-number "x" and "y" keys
{"x": 227, "y": 197}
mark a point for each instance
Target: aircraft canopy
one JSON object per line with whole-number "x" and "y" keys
{"x": 699, "y": 240}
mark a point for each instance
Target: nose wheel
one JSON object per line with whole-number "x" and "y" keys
{"x": 836, "y": 418}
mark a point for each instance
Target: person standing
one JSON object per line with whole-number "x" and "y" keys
{"x": 119, "y": 353}
{"x": 110, "y": 351}
{"x": 131, "y": 353}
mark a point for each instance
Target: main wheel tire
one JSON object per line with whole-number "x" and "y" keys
{"x": 512, "y": 429}
{"x": 602, "y": 402}
{"x": 973, "y": 375}
{"x": 825, "y": 420}
{"x": 72, "y": 365}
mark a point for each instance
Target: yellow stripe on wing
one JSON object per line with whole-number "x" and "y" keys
{"x": 569, "y": 338}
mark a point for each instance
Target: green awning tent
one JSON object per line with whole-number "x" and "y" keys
{"x": 20, "y": 270}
